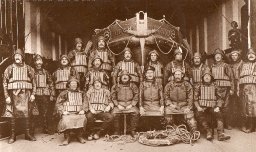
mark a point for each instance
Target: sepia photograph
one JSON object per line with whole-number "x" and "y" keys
{"x": 128, "y": 75}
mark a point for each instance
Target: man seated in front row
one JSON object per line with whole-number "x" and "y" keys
{"x": 151, "y": 100}
{"x": 71, "y": 105}
{"x": 179, "y": 100}
{"x": 125, "y": 96}
{"x": 99, "y": 108}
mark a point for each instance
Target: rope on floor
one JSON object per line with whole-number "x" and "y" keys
{"x": 171, "y": 135}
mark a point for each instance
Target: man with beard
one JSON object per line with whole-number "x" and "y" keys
{"x": 153, "y": 58}
{"x": 179, "y": 100}
{"x": 71, "y": 106}
{"x": 129, "y": 65}
{"x": 100, "y": 104}
{"x": 177, "y": 63}
{"x": 78, "y": 59}
{"x": 125, "y": 96}
{"x": 197, "y": 69}
{"x": 108, "y": 60}
{"x": 45, "y": 92}
{"x": 208, "y": 104}
{"x": 151, "y": 100}
{"x": 235, "y": 64}
{"x": 247, "y": 87}
{"x": 97, "y": 73}
{"x": 19, "y": 91}
{"x": 224, "y": 79}
{"x": 62, "y": 74}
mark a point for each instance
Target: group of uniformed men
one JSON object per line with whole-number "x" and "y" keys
{"x": 83, "y": 91}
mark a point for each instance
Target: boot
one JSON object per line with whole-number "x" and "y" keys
{"x": 90, "y": 137}
{"x": 80, "y": 136}
{"x": 12, "y": 138}
{"x": 244, "y": 122}
{"x": 28, "y": 136}
{"x": 208, "y": 130}
{"x": 222, "y": 136}
{"x": 220, "y": 130}
{"x": 66, "y": 138}
{"x": 250, "y": 125}
{"x": 209, "y": 134}
{"x": 96, "y": 136}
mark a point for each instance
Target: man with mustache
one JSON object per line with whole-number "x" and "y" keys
{"x": 62, "y": 74}
{"x": 96, "y": 72}
{"x": 196, "y": 70}
{"x": 151, "y": 100}
{"x": 100, "y": 104}
{"x": 45, "y": 92}
{"x": 178, "y": 96}
{"x": 129, "y": 65}
{"x": 177, "y": 63}
{"x": 247, "y": 87}
{"x": 224, "y": 79}
{"x": 19, "y": 91}
{"x": 108, "y": 59}
{"x": 153, "y": 58}
{"x": 78, "y": 59}
{"x": 125, "y": 96}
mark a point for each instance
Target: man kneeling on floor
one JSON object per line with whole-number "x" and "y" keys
{"x": 71, "y": 105}
{"x": 99, "y": 105}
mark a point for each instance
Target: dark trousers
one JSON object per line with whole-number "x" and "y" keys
{"x": 104, "y": 116}
{"x": 45, "y": 117}
{"x": 204, "y": 116}
{"x": 132, "y": 124}
{"x": 151, "y": 123}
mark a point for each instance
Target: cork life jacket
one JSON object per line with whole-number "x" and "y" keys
{"x": 207, "y": 96}
{"x": 62, "y": 77}
{"x": 106, "y": 65}
{"x": 75, "y": 101}
{"x": 98, "y": 99}
{"x": 197, "y": 74}
{"x": 247, "y": 73}
{"x": 220, "y": 76}
{"x": 130, "y": 67}
{"x": 42, "y": 88}
{"x": 80, "y": 62}
{"x": 158, "y": 73}
{"x": 19, "y": 78}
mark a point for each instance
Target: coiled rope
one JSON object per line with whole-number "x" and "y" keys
{"x": 171, "y": 135}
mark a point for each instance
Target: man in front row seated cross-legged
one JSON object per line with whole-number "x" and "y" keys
{"x": 179, "y": 100}
{"x": 71, "y": 105}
